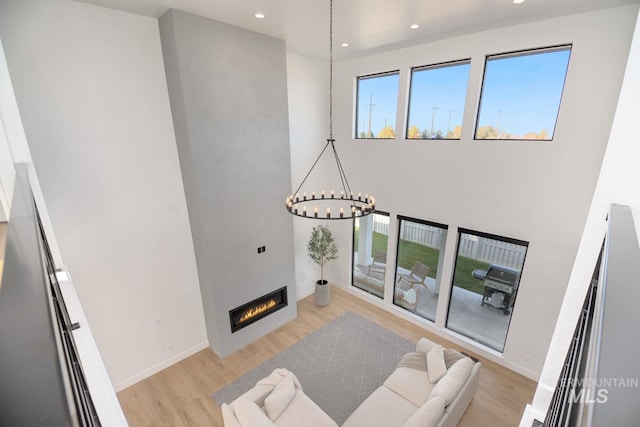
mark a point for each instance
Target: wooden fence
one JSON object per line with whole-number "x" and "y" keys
{"x": 479, "y": 248}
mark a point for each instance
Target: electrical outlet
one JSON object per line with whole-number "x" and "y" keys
{"x": 264, "y": 249}
{"x": 259, "y": 250}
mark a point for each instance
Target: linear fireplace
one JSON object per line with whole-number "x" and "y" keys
{"x": 257, "y": 309}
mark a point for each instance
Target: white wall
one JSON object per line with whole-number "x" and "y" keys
{"x": 619, "y": 182}
{"x": 308, "y": 89}
{"x": 7, "y": 170}
{"x": 540, "y": 192}
{"x": 7, "y": 174}
{"x": 92, "y": 93}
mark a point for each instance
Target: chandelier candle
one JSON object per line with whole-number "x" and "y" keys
{"x": 358, "y": 205}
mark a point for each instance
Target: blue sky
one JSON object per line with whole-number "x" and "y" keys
{"x": 521, "y": 94}
{"x": 437, "y": 96}
{"x": 382, "y": 93}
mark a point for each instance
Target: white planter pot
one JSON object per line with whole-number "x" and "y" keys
{"x": 323, "y": 295}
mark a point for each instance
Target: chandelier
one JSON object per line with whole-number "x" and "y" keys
{"x": 346, "y": 204}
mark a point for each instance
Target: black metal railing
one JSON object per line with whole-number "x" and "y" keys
{"x": 85, "y": 408}
{"x": 565, "y": 405}
{"x": 43, "y": 383}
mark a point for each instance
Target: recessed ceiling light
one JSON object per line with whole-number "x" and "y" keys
{"x": 345, "y": 45}
{"x": 259, "y": 15}
{"x": 414, "y": 26}
{"x": 518, "y": 1}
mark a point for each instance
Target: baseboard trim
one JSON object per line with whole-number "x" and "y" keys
{"x": 160, "y": 366}
{"x": 305, "y": 294}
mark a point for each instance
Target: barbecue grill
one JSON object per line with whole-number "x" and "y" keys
{"x": 500, "y": 286}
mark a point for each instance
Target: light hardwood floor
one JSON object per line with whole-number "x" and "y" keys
{"x": 180, "y": 394}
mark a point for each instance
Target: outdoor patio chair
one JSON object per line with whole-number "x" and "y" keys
{"x": 418, "y": 275}
{"x": 379, "y": 263}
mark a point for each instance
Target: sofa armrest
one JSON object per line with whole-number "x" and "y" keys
{"x": 457, "y": 408}
{"x": 229, "y": 416}
{"x": 256, "y": 394}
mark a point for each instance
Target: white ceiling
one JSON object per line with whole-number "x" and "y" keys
{"x": 367, "y": 25}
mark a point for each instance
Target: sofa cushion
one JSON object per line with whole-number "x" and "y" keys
{"x": 278, "y": 375}
{"x": 412, "y": 384}
{"x": 424, "y": 345}
{"x": 382, "y": 408}
{"x": 249, "y": 414}
{"x": 435, "y": 364}
{"x": 428, "y": 415}
{"x": 414, "y": 360}
{"x": 280, "y": 397}
{"x": 451, "y": 356}
{"x": 450, "y": 385}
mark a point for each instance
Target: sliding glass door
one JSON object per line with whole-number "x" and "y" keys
{"x": 370, "y": 237}
{"x": 419, "y": 259}
{"x": 485, "y": 284}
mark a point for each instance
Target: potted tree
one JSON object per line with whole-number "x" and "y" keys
{"x": 322, "y": 249}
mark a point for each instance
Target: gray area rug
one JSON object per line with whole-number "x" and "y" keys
{"x": 339, "y": 365}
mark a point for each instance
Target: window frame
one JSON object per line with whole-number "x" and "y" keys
{"x": 453, "y": 276}
{"x": 357, "y": 102}
{"x": 410, "y": 93}
{"x": 353, "y": 250}
{"x": 513, "y": 54}
{"x": 399, "y": 219}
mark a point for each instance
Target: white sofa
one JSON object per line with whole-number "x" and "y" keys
{"x": 431, "y": 387}
{"x": 277, "y": 400}
{"x": 410, "y": 398}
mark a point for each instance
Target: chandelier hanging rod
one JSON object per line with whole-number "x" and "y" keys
{"x": 356, "y": 204}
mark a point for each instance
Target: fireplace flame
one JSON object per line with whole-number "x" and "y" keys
{"x": 257, "y": 310}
